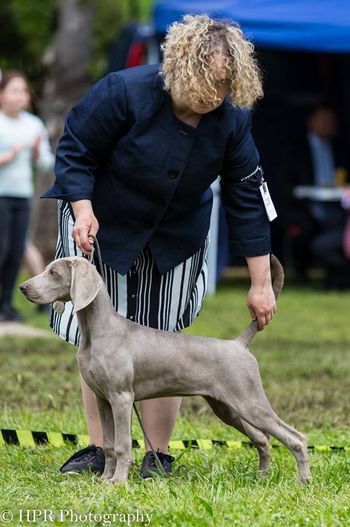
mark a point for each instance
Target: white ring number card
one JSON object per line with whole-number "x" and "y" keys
{"x": 269, "y": 206}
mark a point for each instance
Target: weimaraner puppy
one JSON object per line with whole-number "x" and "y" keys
{"x": 123, "y": 362}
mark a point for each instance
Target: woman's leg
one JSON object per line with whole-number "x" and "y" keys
{"x": 5, "y": 238}
{"x": 18, "y": 230}
{"x": 158, "y": 418}
{"x": 33, "y": 259}
{"x": 92, "y": 457}
{"x": 91, "y": 414}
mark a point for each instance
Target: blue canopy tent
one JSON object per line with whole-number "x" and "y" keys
{"x": 310, "y": 25}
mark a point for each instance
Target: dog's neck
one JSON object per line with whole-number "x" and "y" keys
{"x": 93, "y": 320}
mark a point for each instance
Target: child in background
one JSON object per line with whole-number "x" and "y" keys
{"x": 23, "y": 145}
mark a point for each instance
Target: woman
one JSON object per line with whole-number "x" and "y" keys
{"x": 135, "y": 163}
{"x": 23, "y": 143}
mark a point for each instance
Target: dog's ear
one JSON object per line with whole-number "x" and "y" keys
{"x": 58, "y": 306}
{"x": 85, "y": 284}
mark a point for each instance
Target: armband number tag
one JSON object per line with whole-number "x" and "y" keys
{"x": 269, "y": 206}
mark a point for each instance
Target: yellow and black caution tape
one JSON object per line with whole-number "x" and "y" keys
{"x": 27, "y": 438}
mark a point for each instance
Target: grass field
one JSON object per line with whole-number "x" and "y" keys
{"x": 304, "y": 357}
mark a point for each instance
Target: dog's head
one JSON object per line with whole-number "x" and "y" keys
{"x": 64, "y": 279}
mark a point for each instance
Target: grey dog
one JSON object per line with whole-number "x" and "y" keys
{"x": 123, "y": 362}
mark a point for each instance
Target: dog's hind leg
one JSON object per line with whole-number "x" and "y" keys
{"x": 247, "y": 397}
{"x": 259, "y": 439}
{"x": 258, "y": 413}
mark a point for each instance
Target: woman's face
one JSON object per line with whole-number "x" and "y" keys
{"x": 206, "y": 107}
{"x": 222, "y": 89}
{"x": 15, "y": 96}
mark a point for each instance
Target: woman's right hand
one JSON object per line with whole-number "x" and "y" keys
{"x": 11, "y": 155}
{"x": 85, "y": 225}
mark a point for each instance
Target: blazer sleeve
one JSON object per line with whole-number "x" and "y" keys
{"x": 91, "y": 129}
{"x": 248, "y": 225}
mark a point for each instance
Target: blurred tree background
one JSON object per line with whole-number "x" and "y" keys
{"x": 63, "y": 46}
{"x": 28, "y": 28}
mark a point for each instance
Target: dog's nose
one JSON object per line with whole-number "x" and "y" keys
{"x": 23, "y": 288}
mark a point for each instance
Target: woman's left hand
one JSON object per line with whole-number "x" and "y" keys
{"x": 261, "y": 299}
{"x": 261, "y": 304}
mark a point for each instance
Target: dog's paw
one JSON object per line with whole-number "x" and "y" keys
{"x": 305, "y": 480}
{"x": 264, "y": 473}
{"x": 103, "y": 478}
{"x": 114, "y": 481}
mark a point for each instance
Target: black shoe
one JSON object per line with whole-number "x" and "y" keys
{"x": 10, "y": 314}
{"x": 91, "y": 459}
{"x": 149, "y": 466}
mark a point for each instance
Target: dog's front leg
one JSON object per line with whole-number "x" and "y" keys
{"x": 107, "y": 423}
{"x": 121, "y": 404}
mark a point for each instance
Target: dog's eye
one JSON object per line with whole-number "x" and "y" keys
{"x": 52, "y": 272}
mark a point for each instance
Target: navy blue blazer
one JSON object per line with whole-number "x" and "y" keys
{"x": 148, "y": 173}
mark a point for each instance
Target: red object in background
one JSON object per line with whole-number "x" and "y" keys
{"x": 294, "y": 230}
{"x": 136, "y": 55}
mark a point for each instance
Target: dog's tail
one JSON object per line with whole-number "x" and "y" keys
{"x": 277, "y": 287}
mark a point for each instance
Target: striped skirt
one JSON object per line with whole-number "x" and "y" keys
{"x": 169, "y": 302}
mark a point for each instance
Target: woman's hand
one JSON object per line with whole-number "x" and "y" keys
{"x": 261, "y": 299}
{"x": 11, "y": 155}
{"x": 36, "y": 148}
{"x": 261, "y": 304}
{"x": 85, "y": 225}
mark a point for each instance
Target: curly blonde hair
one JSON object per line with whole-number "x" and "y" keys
{"x": 190, "y": 49}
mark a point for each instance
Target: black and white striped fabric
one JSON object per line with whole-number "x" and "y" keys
{"x": 169, "y": 302}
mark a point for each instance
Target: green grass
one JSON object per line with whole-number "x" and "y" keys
{"x": 304, "y": 358}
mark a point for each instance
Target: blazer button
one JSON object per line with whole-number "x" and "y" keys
{"x": 173, "y": 173}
